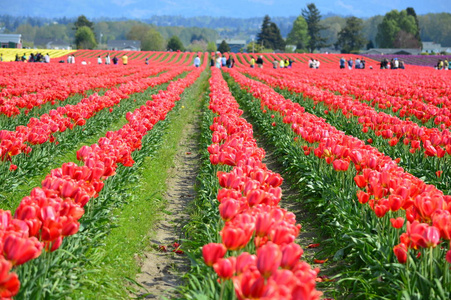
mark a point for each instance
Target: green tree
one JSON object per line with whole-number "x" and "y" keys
{"x": 333, "y": 25}
{"x": 299, "y": 34}
{"x": 262, "y": 36}
{"x": 211, "y": 47}
{"x": 276, "y": 37}
{"x": 370, "y": 28}
{"x": 436, "y": 28}
{"x": 28, "y": 32}
{"x": 411, "y": 12}
{"x": 269, "y": 36}
{"x": 197, "y": 46}
{"x": 151, "y": 40}
{"x": 84, "y": 38}
{"x": 224, "y": 47}
{"x": 389, "y": 33}
{"x": 83, "y": 21}
{"x": 175, "y": 44}
{"x": 254, "y": 47}
{"x": 313, "y": 17}
{"x": 350, "y": 38}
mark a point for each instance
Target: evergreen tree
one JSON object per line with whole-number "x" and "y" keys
{"x": 275, "y": 37}
{"x": 411, "y": 12}
{"x": 313, "y": 17}
{"x": 350, "y": 38}
{"x": 84, "y": 38}
{"x": 370, "y": 45}
{"x": 299, "y": 34}
{"x": 151, "y": 40}
{"x": 83, "y": 21}
{"x": 269, "y": 36}
{"x": 175, "y": 44}
{"x": 262, "y": 36}
{"x": 224, "y": 47}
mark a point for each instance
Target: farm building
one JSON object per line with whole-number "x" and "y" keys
{"x": 124, "y": 45}
{"x": 235, "y": 45}
{"x": 10, "y": 41}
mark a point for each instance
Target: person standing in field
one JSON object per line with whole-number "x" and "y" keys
{"x": 197, "y": 61}
{"x": 282, "y": 64}
{"x": 342, "y": 62}
{"x": 275, "y": 63}
{"x": 350, "y": 63}
{"x": 47, "y": 58}
{"x": 224, "y": 60}
{"x": 125, "y": 60}
{"x": 218, "y": 62}
{"x": 99, "y": 60}
{"x": 260, "y": 61}
{"x": 252, "y": 62}
{"x": 107, "y": 59}
{"x": 115, "y": 60}
{"x": 232, "y": 62}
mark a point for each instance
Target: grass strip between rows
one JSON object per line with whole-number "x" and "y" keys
{"x": 115, "y": 262}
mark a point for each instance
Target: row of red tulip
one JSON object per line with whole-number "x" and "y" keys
{"x": 385, "y": 186}
{"x": 62, "y": 86}
{"x": 21, "y": 79}
{"x": 432, "y": 140}
{"x": 42, "y": 130}
{"x": 52, "y": 211}
{"x": 249, "y": 207}
{"x": 430, "y": 102}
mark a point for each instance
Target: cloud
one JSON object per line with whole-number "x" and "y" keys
{"x": 349, "y": 9}
{"x": 123, "y": 3}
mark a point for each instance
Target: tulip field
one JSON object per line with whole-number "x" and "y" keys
{"x": 85, "y": 152}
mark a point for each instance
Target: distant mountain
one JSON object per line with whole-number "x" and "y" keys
{"x": 142, "y": 9}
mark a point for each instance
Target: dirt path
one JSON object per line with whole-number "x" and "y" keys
{"x": 161, "y": 268}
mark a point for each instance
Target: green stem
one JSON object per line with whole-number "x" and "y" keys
{"x": 431, "y": 262}
{"x": 222, "y": 290}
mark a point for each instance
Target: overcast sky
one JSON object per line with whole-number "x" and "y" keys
{"x": 138, "y": 9}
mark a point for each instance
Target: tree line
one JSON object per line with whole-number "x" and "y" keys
{"x": 397, "y": 29}
{"x": 309, "y": 31}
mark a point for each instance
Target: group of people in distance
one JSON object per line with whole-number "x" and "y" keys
{"x": 218, "y": 61}
{"x": 393, "y": 64}
{"x": 283, "y": 63}
{"x": 360, "y": 63}
{"x": 108, "y": 60}
{"x": 443, "y": 65}
{"x": 38, "y": 57}
{"x": 313, "y": 63}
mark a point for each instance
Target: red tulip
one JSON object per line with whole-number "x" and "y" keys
{"x": 448, "y": 256}
{"x": 244, "y": 262}
{"x": 9, "y": 282}
{"x": 19, "y": 250}
{"x": 225, "y": 267}
{"x": 234, "y": 238}
{"x": 291, "y": 254}
{"x": 269, "y": 258}
{"x": 212, "y": 252}
{"x": 397, "y": 223}
{"x": 400, "y": 251}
